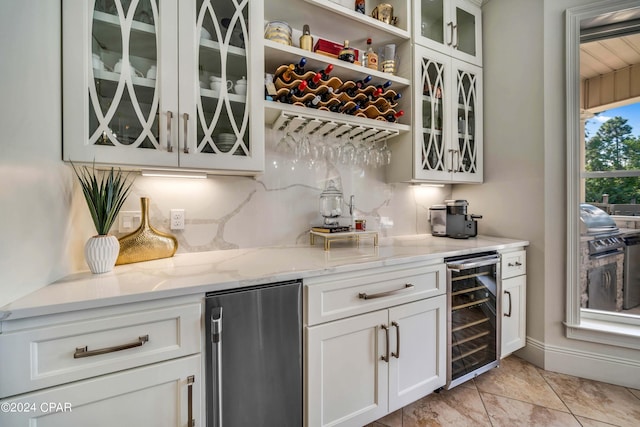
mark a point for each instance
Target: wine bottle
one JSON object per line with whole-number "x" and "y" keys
{"x": 337, "y": 107}
{"x": 296, "y": 91}
{"x": 285, "y": 74}
{"x": 393, "y": 98}
{"x": 325, "y": 72}
{"x": 350, "y": 110}
{"x": 314, "y": 102}
{"x": 347, "y": 53}
{"x": 384, "y": 85}
{"x": 326, "y": 94}
{"x": 314, "y": 81}
{"x": 299, "y": 67}
{"x": 370, "y": 57}
{"x": 392, "y": 117}
{"x": 360, "y": 84}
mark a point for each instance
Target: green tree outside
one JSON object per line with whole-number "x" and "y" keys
{"x": 613, "y": 148}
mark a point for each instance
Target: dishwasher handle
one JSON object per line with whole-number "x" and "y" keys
{"x": 465, "y": 264}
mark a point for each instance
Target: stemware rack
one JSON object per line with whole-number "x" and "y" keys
{"x": 334, "y": 127}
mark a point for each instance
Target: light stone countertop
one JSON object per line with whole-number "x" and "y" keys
{"x": 198, "y": 273}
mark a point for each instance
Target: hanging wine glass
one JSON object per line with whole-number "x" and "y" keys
{"x": 347, "y": 154}
{"x": 385, "y": 154}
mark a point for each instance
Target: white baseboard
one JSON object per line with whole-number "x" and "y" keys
{"x": 593, "y": 366}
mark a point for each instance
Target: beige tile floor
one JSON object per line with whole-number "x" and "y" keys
{"x": 520, "y": 394}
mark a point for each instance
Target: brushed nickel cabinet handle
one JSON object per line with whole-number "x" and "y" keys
{"x": 451, "y": 164}
{"x": 364, "y": 295}
{"x": 169, "y": 120}
{"x": 397, "y": 353}
{"x": 185, "y": 117}
{"x": 509, "y": 313}
{"x": 385, "y": 357}
{"x": 85, "y": 352}
{"x": 190, "y": 380}
{"x": 454, "y": 30}
{"x": 450, "y": 25}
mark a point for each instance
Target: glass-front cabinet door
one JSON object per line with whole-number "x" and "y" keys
{"x": 217, "y": 62}
{"x": 448, "y": 131}
{"x": 453, "y": 27}
{"x": 160, "y": 83}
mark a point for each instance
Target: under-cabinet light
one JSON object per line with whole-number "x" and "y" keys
{"x": 173, "y": 174}
{"x": 424, "y": 184}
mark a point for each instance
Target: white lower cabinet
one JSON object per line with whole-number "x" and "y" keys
{"x": 162, "y": 394}
{"x": 514, "y": 301}
{"x": 132, "y": 365}
{"x": 361, "y": 368}
{"x": 514, "y": 294}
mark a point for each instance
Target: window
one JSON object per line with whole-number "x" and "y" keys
{"x": 602, "y": 19}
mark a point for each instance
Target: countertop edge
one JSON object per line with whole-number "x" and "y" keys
{"x": 37, "y": 303}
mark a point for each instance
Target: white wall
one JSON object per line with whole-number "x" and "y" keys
{"x": 44, "y": 220}
{"x": 525, "y": 164}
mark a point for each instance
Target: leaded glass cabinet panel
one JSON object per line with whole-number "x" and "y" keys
{"x": 161, "y": 83}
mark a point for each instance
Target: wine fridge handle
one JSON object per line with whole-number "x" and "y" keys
{"x": 216, "y": 363}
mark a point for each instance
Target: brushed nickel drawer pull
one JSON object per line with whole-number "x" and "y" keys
{"x": 364, "y": 295}
{"x": 85, "y": 352}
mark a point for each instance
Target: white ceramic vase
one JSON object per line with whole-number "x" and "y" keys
{"x": 101, "y": 253}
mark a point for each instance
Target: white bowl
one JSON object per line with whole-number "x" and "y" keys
{"x": 204, "y": 34}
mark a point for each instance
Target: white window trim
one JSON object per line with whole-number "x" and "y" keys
{"x": 582, "y": 324}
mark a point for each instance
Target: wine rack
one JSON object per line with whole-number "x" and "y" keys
{"x": 360, "y": 99}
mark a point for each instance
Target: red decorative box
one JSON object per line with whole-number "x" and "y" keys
{"x": 331, "y": 48}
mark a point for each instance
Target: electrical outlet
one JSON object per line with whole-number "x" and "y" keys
{"x": 177, "y": 219}
{"x": 128, "y": 221}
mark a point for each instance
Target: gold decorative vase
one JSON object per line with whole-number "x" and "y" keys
{"x": 146, "y": 243}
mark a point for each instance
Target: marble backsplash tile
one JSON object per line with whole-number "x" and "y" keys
{"x": 279, "y": 206}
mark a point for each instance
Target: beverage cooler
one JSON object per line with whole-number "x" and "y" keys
{"x": 474, "y": 288}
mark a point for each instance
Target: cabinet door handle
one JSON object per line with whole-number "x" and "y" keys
{"x": 364, "y": 295}
{"x": 85, "y": 352}
{"x": 190, "y": 421}
{"x": 385, "y": 356}
{"x": 451, "y": 169}
{"x": 516, "y": 264}
{"x": 450, "y": 25}
{"x": 509, "y": 313}
{"x": 169, "y": 120}
{"x": 185, "y": 118}
{"x": 454, "y": 31}
{"x": 397, "y": 353}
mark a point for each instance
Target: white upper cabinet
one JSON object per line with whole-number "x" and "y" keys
{"x": 447, "y": 133}
{"x": 162, "y": 83}
{"x": 453, "y": 27}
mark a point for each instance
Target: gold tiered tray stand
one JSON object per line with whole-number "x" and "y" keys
{"x": 345, "y": 235}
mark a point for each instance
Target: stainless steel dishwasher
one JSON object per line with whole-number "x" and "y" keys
{"x": 631, "y": 283}
{"x": 254, "y": 356}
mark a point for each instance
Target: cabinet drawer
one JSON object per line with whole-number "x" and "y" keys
{"x": 337, "y": 296}
{"x": 514, "y": 264}
{"x": 58, "y": 353}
